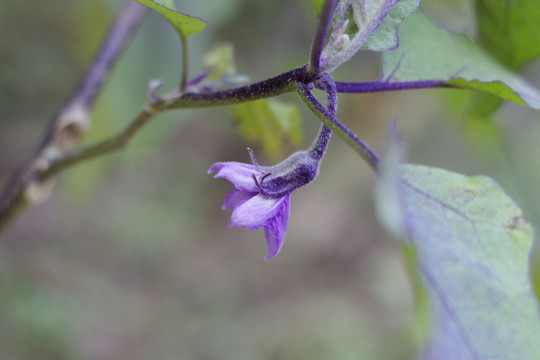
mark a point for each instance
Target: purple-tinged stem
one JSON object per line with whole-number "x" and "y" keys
{"x": 274, "y": 86}
{"x": 320, "y": 144}
{"x": 336, "y": 126}
{"x": 377, "y": 86}
{"x": 323, "y": 25}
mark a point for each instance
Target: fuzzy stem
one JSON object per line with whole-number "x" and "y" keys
{"x": 320, "y": 144}
{"x": 274, "y": 86}
{"x": 377, "y": 86}
{"x": 317, "y": 45}
{"x": 336, "y": 126}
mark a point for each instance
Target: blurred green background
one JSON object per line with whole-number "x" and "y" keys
{"x": 131, "y": 257}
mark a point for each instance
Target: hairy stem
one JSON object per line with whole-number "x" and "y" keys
{"x": 319, "y": 146}
{"x": 317, "y": 45}
{"x": 336, "y": 126}
{"x": 378, "y": 86}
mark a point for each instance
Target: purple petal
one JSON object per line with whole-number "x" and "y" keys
{"x": 276, "y": 229}
{"x": 234, "y": 197}
{"x": 239, "y": 174}
{"x": 256, "y": 212}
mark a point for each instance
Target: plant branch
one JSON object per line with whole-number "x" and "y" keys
{"x": 336, "y": 126}
{"x": 73, "y": 119}
{"x": 115, "y": 143}
{"x": 283, "y": 83}
{"x": 317, "y": 45}
{"x": 378, "y": 86}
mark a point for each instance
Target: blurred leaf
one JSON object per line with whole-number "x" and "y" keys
{"x": 386, "y": 35}
{"x": 185, "y": 25}
{"x": 273, "y": 124}
{"x": 220, "y": 62}
{"x": 473, "y": 246}
{"x": 510, "y": 30}
{"x": 427, "y": 52}
{"x": 511, "y": 34}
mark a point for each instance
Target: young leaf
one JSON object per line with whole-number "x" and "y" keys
{"x": 273, "y": 124}
{"x": 185, "y": 25}
{"x": 386, "y": 35}
{"x": 355, "y": 21}
{"x": 509, "y": 30}
{"x": 427, "y": 52}
{"x": 473, "y": 246}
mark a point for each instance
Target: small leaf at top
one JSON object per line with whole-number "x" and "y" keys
{"x": 472, "y": 246}
{"x": 185, "y": 25}
{"x": 427, "y": 52}
{"x": 355, "y": 21}
{"x": 510, "y": 30}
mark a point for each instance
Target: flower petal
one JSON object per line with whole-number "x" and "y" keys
{"x": 234, "y": 197}
{"x": 276, "y": 229}
{"x": 256, "y": 212}
{"x": 239, "y": 174}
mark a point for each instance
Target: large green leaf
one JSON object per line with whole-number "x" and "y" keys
{"x": 185, "y": 25}
{"x": 472, "y": 245}
{"x": 273, "y": 124}
{"x": 510, "y": 30}
{"x": 427, "y": 52}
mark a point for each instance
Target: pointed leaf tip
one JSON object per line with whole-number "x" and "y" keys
{"x": 185, "y": 25}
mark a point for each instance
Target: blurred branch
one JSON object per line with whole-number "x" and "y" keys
{"x": 72, "y": 121}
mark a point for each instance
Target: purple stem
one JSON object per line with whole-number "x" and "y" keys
{"x": 336, "y": 126}
{"x": 267, "y": 88}
{"x": 377, "y": 86}
{"x": 321, "y": 143}
{"x": 323, "y": 25}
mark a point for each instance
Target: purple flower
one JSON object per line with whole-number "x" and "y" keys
{"x": 262, "y": 195}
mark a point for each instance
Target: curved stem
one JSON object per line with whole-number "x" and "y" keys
{"x": 336, "y": 126}
{"x": 320, "y": 144}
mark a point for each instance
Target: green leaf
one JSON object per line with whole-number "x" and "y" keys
{"x": 472, "y": 246}
{"x": 510, "y": 30}
{"x": 220, "y": 62}
{"x": 273, "y": 124}
{"x": 385, "y": 37}
{"x": 428, "y": 52}
{"x": 185, "y": 25}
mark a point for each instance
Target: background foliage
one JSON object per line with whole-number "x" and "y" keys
{"x": 131, "y": 257}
